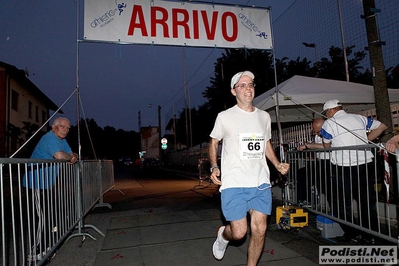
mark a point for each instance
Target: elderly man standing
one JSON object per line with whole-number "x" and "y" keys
{"x": 42, "y": 177}
{"x": 355, "y": 170}
{"x": 321, "y": 178}
{"x": 245, "y": 180}
{"x": 53, "y": 145}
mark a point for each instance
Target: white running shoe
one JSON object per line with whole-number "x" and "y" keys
{"x": 220, "y": 245}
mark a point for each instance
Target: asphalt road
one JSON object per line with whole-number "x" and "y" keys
{"x": 178, "y": 190}
{"x": 157, "y": 190}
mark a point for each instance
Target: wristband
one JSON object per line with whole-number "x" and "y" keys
{"x": 213, "y": 167}
{"x": 306, "y": 145}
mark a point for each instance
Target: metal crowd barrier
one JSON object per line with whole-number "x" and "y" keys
{"x": 343, "y": 194}
{"x": 43, "y": 202}
{"x": 186, "y": 158}
{"x": 203, "y": 173}
{"x": 310, "y": 184}
{"x": 204, "y": 177}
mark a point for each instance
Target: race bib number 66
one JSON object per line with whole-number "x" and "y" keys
{"x": 252, "y": 146}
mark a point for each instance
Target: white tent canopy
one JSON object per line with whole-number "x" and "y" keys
{"x": 301, "y": 98}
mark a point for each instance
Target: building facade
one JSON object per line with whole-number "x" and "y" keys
{"x": 23, "y": 108}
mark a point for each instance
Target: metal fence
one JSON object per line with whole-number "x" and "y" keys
{"x": 43, "y": 202}
{"x": 204, "y": 173}
{"x": 358, "y": 195}
{"x": 186, "y": 158}
{"x": 328, "y": 189}
{"x": 367, "y": 202}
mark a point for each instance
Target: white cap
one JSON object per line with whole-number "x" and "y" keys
{"x": 237, "y": 77}
{"x": 330, "y": 104}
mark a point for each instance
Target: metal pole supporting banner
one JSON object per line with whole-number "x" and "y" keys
{"x": 280, "y": 133}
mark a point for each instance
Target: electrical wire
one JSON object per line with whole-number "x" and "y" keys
{"x": 87, "y": 128}
{"x": 287, "y": 97}
{"x": 192, "y": 76}
{"x": 45, "y": 123}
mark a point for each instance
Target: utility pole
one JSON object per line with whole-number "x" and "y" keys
{"x": 160, "y": 134}
{"x": 382, "y": 105}
{"x": 174, "y": 130}
{"x": 343, "y": 42}
{"x": 139, "y": 120}
{"x": 185, "y": 95}
{"x": 312, "y": 45}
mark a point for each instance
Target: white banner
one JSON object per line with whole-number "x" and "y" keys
{"x": 177, "y": 23}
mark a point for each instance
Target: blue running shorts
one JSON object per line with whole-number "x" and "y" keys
{"x": 236, "y": 202}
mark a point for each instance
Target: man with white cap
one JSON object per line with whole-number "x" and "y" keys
{"x": 354, "y": 177}
{"x": 245, "y": 183}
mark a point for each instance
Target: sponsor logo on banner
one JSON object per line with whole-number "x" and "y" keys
{"x": 173, "y": 23}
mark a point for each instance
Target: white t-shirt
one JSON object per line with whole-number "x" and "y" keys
{"x": 321, "y": 155}
{"x": 339, "y": 136}
{"x": 244, "y": 134}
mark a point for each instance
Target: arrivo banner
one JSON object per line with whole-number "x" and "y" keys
{"x": 177, "y": 23}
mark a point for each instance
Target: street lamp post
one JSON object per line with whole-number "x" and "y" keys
{"x": 160, "y": 134}
{"x": 139, "y": 121}
{"x": 160, "y": 130}
{"x": 343, "y": 42}
{"x": 312, "y": 45}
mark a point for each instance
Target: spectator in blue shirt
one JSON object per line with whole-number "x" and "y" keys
{"x": 52, "y": 145}
{"x": 41, "y": 177}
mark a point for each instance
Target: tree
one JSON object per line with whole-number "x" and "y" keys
{"x": 334, "y": 68}
{"x": 27, "y": 131}
{"x": 115, "y": 144}
{"x": 298, "y": 67}
{"x": 392, "y": 74}
{"x": 100, "y": 143}
{"x": 260, "y": 62}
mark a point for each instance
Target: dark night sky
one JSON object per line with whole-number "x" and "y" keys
{"x": 115, "y": 81}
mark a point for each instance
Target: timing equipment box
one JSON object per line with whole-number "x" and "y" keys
{"x": 328, "y": 228}
{"x": 292, "y": 216}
